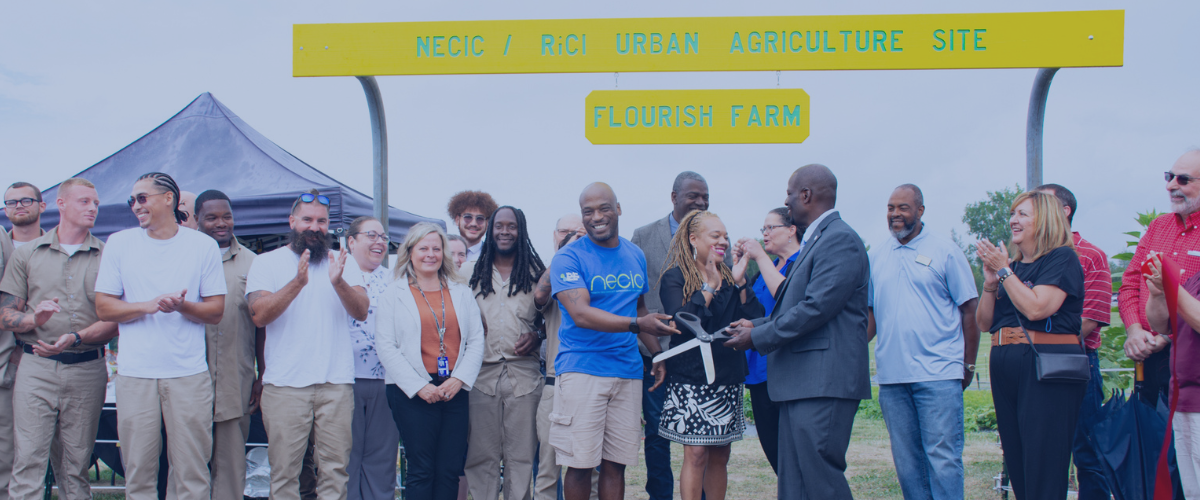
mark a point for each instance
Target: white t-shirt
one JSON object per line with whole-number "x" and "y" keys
{"x": 70, "y": 249}
{"x": 310, "y": 342}
{"x": 139, "y": 268}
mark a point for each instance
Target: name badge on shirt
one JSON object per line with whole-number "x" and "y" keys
{"x": 923, "y": 260}
{"x": 443, "y": 366}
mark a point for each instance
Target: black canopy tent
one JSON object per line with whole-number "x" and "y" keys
{"x": 207, "y": 146}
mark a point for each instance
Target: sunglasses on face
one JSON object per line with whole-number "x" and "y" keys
{"x": 24, "y": 202}
{"x": 479, "y": 219}
{"x": 142, "y": 198}
{"x": 309, "y": 197}
{"x": 373, "y": 236}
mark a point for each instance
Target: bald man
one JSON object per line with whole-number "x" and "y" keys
{"x": 187, "y": 205}
{"x": 599, "y": 282}
{"x": 817, "y": 333}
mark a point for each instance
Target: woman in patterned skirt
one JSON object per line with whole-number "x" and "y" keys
{"x": 705, "y": 418}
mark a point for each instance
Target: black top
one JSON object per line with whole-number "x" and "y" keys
{"x": 726, "y": 307}
{"x": 1058, "y": 268}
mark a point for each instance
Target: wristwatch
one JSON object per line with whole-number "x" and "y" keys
{"x": 1003, "y": 274}
{"x": 706, "y": 288}
{"x": 633, "y": 326}
{"x": 970, "y": 368}
{"x": 78, "y": 340}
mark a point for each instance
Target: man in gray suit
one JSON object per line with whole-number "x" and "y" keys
{"x": 690, "y": 192}
{"x": 816, "y": 340}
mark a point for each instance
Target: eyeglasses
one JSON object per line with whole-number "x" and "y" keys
{"x": 309, "y": 197}
{"x": 373, "y": 236}
{"x": 479, "y": 219}
{"x": 1183, "y": 180}
{"x": 24, "y": 202}
{"x": 141, "y": 198}
{"x": 768, "y": 228}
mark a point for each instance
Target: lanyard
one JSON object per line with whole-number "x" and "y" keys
{"x": 441, "y": 326}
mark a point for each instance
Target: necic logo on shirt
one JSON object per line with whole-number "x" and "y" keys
{"x": 613, "y": 283}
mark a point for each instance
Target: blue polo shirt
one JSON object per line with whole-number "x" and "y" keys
{"x": 615, "y": 278}
{"x": 916, "y": 290}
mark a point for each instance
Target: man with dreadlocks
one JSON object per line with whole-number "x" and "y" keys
{"x": 162, "y": 282}
{"x": 503, "y": 409}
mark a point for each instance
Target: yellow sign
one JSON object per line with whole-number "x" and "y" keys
{"x": 757, "y": 116}
{"x": 911, "y": 41}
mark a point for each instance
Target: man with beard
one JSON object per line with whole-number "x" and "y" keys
{"x": 59, "y": 392}
{"x": 162, "y": 282}
{"x": 471, "y": 211}
{"x": 922, "y": 306}
{"x": 187, "y": 205}
{"x": 599, "y": 282}
{"x": 504, "y": 402}
{"x": 688, "y": 193}
{"x": 231, "y": 351}
{"x": 24, "y": 206}
{"x": 305, "y": 297}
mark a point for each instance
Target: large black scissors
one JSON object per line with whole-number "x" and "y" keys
{"x": 703, "y": 341}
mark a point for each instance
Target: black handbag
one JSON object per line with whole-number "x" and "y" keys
{"x": 1059, "y": 368}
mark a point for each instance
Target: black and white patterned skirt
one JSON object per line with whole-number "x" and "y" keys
{"x": 702, "y": 415}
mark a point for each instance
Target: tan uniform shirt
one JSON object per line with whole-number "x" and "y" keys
{"x": 553, "y": 316}
{"x": 6, "y": 338}
{"x": 507, "y": 318}
{"x": 42, "y": 270}
{"x": 231, "y": 342}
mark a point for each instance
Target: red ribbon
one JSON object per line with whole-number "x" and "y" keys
{"x": 1171, "y": 279}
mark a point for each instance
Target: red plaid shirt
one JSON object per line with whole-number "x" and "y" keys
{"x": 1097, "y": 287}
{"x": 1171, "y": 235}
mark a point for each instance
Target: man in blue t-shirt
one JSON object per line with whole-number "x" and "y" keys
{"x": 599, "y": 282}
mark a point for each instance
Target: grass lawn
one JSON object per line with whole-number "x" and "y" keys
{"x": 870, "y": 471}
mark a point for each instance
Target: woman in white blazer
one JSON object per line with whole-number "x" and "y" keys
{"x": 430, "y": 340}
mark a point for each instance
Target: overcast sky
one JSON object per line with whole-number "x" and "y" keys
{"x": 79, "y": 83}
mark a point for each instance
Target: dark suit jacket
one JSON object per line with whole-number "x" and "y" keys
{"x": 816, "y": 338}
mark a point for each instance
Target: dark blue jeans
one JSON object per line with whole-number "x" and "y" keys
{"x": 660, "y": 481}
{"x": 1089, "y": 471}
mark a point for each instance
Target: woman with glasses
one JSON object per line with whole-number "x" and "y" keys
{"x": 1033, "y": 301}
{"x": 781, "y": 237}
{"x": 429, "y": 338}
{"x": 706, "y": 418}
{"x": 372, "y": 465}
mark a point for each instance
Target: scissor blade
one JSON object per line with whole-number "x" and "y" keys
{"x": 706, "y": 354}
{"x": 678, "y": 349}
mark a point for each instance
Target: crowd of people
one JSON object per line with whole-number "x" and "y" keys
{"x": 496, "y": 368}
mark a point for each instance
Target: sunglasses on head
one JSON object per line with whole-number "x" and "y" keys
{"x": 1183, "y": 180}
{"x": 309, "y": 197}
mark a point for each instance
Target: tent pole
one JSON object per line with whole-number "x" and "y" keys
{"x": 380, "y": 156}
{"x": 1033, "y": 127}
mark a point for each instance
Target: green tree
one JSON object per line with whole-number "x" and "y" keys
{"x": 987, "y": 219}
{"x": 1112, "y": 349}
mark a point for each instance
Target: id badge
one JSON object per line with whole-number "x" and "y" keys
{"x": 443, "y": 366}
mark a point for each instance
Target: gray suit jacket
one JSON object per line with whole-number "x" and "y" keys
{"x": 816, "y": 338}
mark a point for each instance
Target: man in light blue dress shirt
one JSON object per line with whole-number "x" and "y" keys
{"x": 922, "y": 310}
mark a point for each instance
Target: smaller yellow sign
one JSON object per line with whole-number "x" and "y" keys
{"x": 748, "y": 116}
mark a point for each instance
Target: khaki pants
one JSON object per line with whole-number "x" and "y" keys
{"x": 502, "y": 427}
{"x": 6, "y": 440}
{"x": 185, "y": 404}
{"x": 290, "y": 414}
{"x": 546, "y": 483}
{"x": 55, "y": 404}
{"x": 229, "y": 457}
